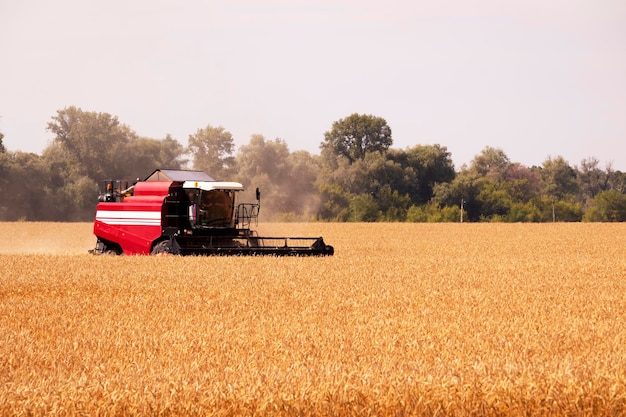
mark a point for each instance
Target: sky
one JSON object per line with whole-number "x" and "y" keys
{"x": 535, "y": 78}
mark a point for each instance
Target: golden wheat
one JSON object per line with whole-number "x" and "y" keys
{"x": 405, "y": 319}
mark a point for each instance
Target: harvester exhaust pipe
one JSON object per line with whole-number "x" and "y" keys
{"x": 258, "y": 199}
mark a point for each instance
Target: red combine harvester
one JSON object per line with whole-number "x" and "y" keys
{"x": 187, "y": 213}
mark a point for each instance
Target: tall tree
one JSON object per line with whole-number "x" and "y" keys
{"x": 265, "y": 164}
{"x": 522, "y": 183}
{"x": 144, "y": 155}
{"x": 356, "y": 135}
{"x": 617, "y": 180}
{"x": 559, "y": 181}
{"x": 558, "y": 178}
{"x": 263, "y": 157}
{"x": 25, "y": 183}
{"x": 591, "y": 179}
{"x": 431, "y": 164}
{"x": 491, "y": 163}
{"x": 95, "y": 142}
{"x": 212, "y": 151}
{"x": 463, "y": 190}
{"x": 72, "y": 194}
{"x": 170, "y": 153}
{"x": 287, "y": 180}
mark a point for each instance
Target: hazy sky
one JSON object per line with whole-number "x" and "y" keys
{"x": 536, "y": 78}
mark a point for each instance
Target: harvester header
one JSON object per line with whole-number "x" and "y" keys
{"x": 187, "y": 213}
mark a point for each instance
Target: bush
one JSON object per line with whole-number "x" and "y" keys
{"x": 608, "y": 206}
{"x": 523, "y": 212}
{"x": 363, "y": 208}
{"x": 432, "y": 213}
{"x": 564, "y": 210}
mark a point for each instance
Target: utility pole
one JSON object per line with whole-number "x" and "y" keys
{"x": 462, "y": 205}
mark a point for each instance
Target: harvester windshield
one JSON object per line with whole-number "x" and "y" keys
{"x": 212, "y": 203}
{"x": 212, "y": 208}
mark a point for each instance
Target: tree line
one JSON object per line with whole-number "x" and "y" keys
{"x": 358, "y": 176}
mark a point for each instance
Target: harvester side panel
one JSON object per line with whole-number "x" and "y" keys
{"x": 134, "y": 225}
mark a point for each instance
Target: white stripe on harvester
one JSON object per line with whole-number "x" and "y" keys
{"x": 129, "y": 218}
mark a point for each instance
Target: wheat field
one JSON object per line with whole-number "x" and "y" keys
{"x": 405, "y": 319}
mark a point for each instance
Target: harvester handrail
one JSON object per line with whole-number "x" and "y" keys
{"x": 246, "y": 212}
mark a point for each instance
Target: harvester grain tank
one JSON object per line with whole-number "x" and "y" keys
{"x": 187, "y": 213}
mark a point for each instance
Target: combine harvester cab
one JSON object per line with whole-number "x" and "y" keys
{"x": 187, "y": 213}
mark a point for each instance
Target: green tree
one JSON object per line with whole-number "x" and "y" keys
{"x": 607, "y": 206}
{"x": 566, "y": 210}
{"x": 423, "y": 166}
{"x": 351, "y": 178}
{"x": 394, "y": 178}
{"x": 374, "y": 175}
{"x": 495, "y": 202}
{"x": 591, "y": 179}
{"x": 376, "y": 172}
{"x": 523, "y": 212}
{"x": 72, "y": 195}
{"x": 263, "y": 157}
{"x": 25, "y": 187}
{"x": 357, "y": 135}
{"x": 492, "y": 188}
{"x": 334, "y": 201}
{"x": 393, "y": 205}
{"x": 433, "y": 213}
{"x": 618, "y": 181}
{"x": 287, "y": 180}
{"x": 78, "y": 195}
{"x": 482, "y": 188}
{"x": 143, "y": 155}
{"x": 558, "y": 178}
{"x": 90, "y": 147}
{"x": 491, "y": 163}
{"x": 363, "y": 208}
{"x": 521, "y": 183}
{"x": 94, "y": 142}
{"x": 170, "y": 153}
{"x": 558, "y": 182}
{"x": 463, "y": 189}
{"x": 212, "y": 151}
